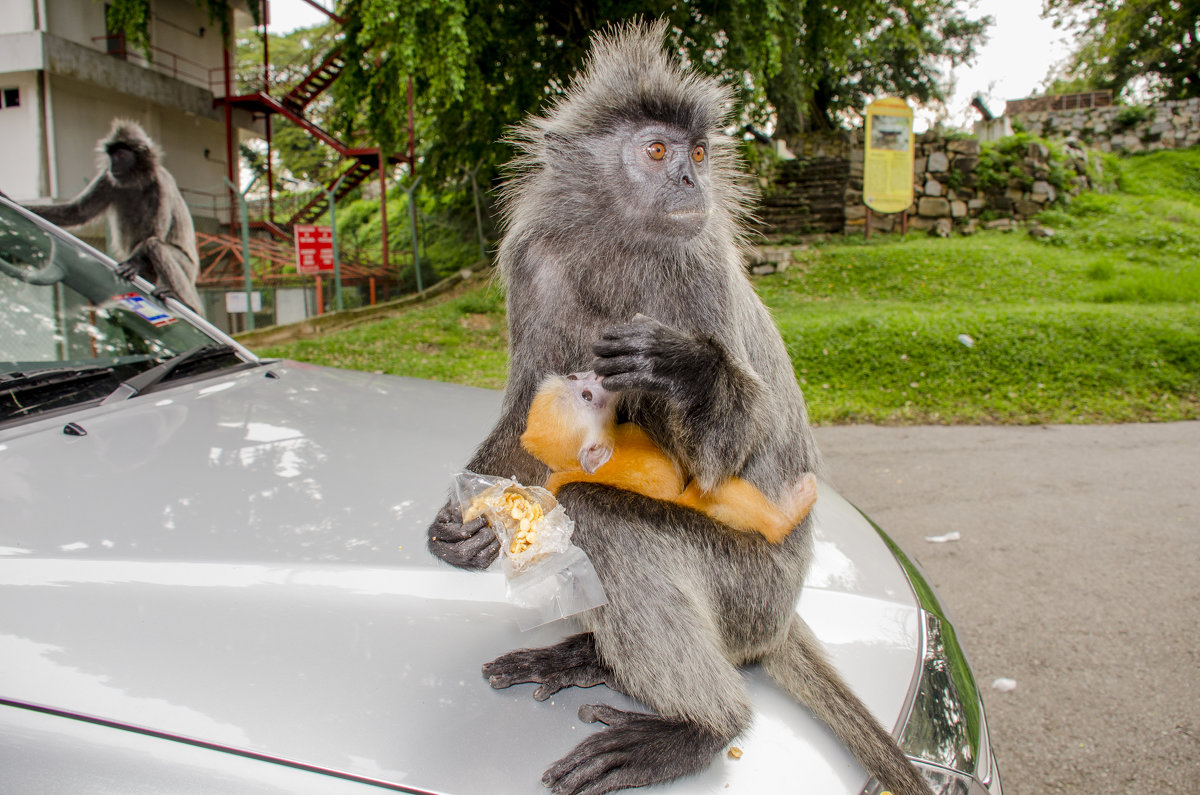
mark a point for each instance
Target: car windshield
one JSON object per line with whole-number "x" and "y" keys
{"x": 72, "y": 331}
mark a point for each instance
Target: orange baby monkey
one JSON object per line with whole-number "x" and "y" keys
{"x": 572, "y": 428}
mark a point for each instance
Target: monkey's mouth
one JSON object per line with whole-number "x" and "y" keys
{"x": 694, "y": 214}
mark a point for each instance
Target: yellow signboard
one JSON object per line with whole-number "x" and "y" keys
{"x": 888, "y": 163}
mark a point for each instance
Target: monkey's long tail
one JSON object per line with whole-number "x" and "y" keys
{"x": 801, "y": 668}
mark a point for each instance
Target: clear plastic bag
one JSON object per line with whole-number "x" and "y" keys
{"x": 545, "y": 573}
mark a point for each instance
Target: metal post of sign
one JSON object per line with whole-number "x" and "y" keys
{"x": 337, "y": 265}
{"x": 245, "y": 211}
{"x": 412, "y": 217}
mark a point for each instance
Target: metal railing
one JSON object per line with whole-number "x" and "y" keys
{"x": 160, "y": 60}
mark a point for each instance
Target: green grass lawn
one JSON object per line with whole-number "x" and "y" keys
{"x": 1099, "y": 323}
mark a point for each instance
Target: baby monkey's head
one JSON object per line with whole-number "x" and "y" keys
{"x": 570, "y": 424}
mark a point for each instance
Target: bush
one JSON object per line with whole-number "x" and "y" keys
{"x": 1006, "y": 162}
{"x": 1131, "y": 116}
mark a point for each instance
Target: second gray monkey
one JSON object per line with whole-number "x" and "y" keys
{"x": 151, "y": 227}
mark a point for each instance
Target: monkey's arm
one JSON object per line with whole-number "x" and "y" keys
{"x": 713, "y": 398}
{"x": 87, "y": 205}
{"x": 474, "y": 545}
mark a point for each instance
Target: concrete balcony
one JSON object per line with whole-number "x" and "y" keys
{"x": 32, "y": 51}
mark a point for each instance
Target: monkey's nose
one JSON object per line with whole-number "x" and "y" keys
{"x": 686, "y": 180}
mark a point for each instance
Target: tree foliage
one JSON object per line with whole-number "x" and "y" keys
{"x": 479, "y": 67}
{"x": 1124, "y": 42}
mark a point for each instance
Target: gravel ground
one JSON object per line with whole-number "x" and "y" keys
{"x": 1077, "y": 575}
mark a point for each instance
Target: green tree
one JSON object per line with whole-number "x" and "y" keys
{"x": 1122, "y": 43}
{"x": 848, "y": 53}
{"x": 478, "y": 67}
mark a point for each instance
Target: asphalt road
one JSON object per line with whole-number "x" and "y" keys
{"x": 1077, "y": 575}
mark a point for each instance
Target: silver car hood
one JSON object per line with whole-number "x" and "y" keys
{"x": 241, "y": 561}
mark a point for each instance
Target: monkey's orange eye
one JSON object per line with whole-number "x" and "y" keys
{"x": 657, "y": 150}
{"x": 698, "y": 154}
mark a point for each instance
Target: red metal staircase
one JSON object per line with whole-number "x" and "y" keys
{"x": 308, "y": 89}
{"x": 362, "y": 163}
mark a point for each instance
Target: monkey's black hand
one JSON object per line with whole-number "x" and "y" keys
{"x": 472, "y": 545}
{"x": 645, "y": 354}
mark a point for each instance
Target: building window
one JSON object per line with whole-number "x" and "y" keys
{"x": 12, "y": 97}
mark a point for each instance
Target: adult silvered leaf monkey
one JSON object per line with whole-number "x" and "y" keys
{"x": 151, "y": 228}
{"x": 622, "y": 254}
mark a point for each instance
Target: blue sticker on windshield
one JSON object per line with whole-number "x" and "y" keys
{"x": 155, "y": 316}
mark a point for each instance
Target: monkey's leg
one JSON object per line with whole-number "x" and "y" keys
{"x": 635, "y": 750}
{"x": 698, "y": 691}
{"x": 660, "y": 642}
{"x": 136, "y": 264}
{"x": 740, "y": 505}
{"x": 801, "y": 668}
{"x": 169, "y": 267}
{"x": 573, "y": 662}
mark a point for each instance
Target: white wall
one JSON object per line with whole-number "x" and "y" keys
{"x": 181, "y": 28}
{"x": 76, "y": 21}
{"x": 186, "y": 45}
{"x": 18, "y": 16}
{"x": 21, "y": 172}
{"x": 83, "y": 115}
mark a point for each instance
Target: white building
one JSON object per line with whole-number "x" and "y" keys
{"x": 63, "y": 80}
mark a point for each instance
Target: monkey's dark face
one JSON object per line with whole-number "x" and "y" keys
{"x": 668, "y": 189}
{"x": 121, "y": 161}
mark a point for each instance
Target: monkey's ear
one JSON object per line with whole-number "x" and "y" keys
{"x": 594, "y": 455}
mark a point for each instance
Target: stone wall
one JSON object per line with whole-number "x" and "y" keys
{"x": 1123, "y": 129}
{"x": 946, "y": 191}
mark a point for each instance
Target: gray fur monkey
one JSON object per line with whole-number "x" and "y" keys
{"x": 622, "y": 254}
{"x": 151, "y": 227}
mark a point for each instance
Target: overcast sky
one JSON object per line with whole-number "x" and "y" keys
{"x": 1021, "y": 49}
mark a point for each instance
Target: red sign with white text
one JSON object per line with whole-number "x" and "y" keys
{"x": 314, "y": 249}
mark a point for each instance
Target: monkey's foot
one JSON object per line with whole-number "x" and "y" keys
{"x": 635, "y": 750}
{"x": 163, "y": 293}
{"x": 127, "y": 270}
{"x": 572, "y": 663}
{"x": 803, "y": 496}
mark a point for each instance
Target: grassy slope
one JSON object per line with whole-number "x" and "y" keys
{"x": 1100, "y": 323}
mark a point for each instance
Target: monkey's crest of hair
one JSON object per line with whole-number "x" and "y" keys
{"x": 628, "y": 77}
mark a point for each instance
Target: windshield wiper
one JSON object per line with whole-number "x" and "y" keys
{"x": 28, "y": 393}
{"x": 148, "y": 378}
{"x": 16, "y": 382}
